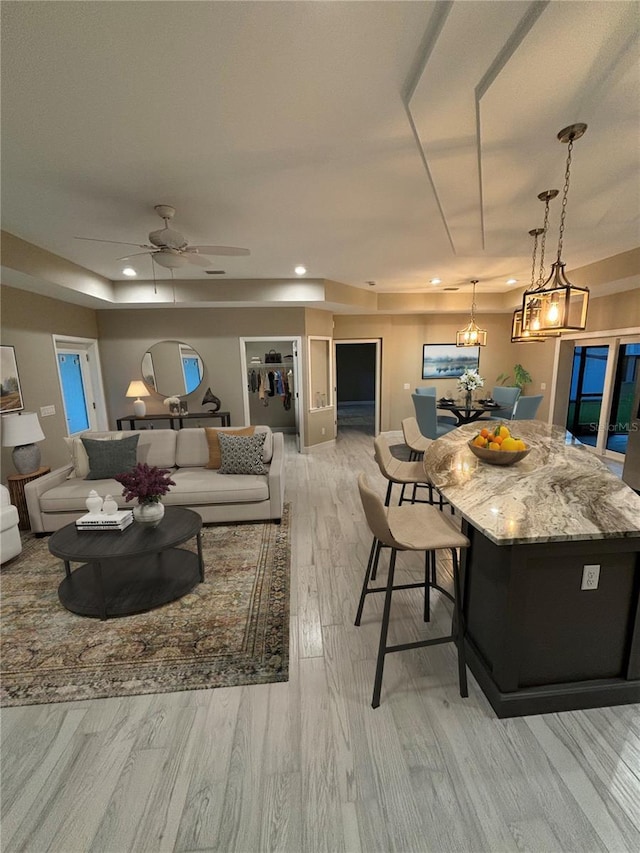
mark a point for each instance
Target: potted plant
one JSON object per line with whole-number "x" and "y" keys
{"x": 146, "y": 484}
{"x": 521, "y": 377}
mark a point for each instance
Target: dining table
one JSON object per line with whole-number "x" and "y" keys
{"x": 466, "y": 414}
{"x": 551, "y": 577}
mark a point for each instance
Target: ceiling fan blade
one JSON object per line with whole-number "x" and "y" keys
{"x": 218, "y": 250}
{"x": 198, "y": 260}
{"x": 118, "y": 242}
{"x": 133, "y": 255}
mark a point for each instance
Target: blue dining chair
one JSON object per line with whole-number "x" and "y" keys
{"x": 526, "y": 408}
{"x": 430, "y": 390}
{"x": 506, "y": 397}
{"x": 427, "y": 416}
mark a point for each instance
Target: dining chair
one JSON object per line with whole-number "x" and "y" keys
{"x": 429, "y": 390}
{"x": 526, "y": 408}
{"x": 506, "y": 396}
{"x": 430, "y": 424}
{"x": 412, "y": 527}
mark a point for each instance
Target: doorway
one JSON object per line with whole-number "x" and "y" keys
{"x": 80, "y": 377}
{"x": 357, "y": 388}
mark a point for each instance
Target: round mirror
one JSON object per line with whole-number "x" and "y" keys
{"x": 172, "y": 368}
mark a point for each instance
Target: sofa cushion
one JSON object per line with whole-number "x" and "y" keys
{"x": 213, "y": 442}
{"x": 203, "y": 486}
{"x": 70, "y": 495}
{"x": 155, "y": 447}
{"x": 192, "y": 450}
{"x": 242, "y": 454}
{"x": 108, "y": 458}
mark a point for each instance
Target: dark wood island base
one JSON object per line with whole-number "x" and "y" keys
{"x": 536, "y": 642}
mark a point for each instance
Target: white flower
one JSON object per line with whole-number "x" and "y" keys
{"x": 470, "y": 380}
{"x": 172, "y": 401}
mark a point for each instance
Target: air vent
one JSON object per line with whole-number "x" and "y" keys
{"x": 371, "y": 283}
{"x": 215, "y": 272}
{"x": 451, "y": 288}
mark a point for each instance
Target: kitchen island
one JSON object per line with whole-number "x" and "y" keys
{"x": 541, "y": 531}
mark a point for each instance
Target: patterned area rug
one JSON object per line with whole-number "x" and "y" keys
{"x": 232, "y": 629}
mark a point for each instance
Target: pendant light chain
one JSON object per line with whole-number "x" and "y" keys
{"x": 545, "y": 228}
{"x": 565, "y": 192}
{"x": 533, "y": 260}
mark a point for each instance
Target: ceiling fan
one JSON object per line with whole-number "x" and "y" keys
{"x": 169, "y": 248}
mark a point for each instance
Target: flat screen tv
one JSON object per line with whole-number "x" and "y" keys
{"x": 446, "y": 361}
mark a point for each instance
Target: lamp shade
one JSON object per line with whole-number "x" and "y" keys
{"x": 137, "y": 388}
{"x": 21, "y": 429}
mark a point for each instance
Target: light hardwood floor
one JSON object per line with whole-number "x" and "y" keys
{"x": 308, "y": 765}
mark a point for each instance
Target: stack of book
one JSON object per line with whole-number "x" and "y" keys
{"x": 101, "y": 521}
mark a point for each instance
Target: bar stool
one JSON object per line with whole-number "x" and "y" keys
{"x": 411, "y": 527}
{"x": 414, "y": 439}
{"x": 396, "y": 471}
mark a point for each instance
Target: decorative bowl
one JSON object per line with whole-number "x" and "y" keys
{"x": 498, "y": 457}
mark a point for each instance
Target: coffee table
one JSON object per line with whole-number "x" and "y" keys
{"x": 129, "y": 571}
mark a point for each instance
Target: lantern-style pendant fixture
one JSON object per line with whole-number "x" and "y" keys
{"x": 472, "y": 335}
{"x": 518, "y": 334}
{"x": 559, "y": 305}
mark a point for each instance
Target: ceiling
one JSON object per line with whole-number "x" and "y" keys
{"x": 392, "y": 142}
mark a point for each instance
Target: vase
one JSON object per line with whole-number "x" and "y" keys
{"x": 467, "y": 399}
{"x": 109, "y": 507}
{"x": 93, "y": 502}
{"x": 149, "y": 513}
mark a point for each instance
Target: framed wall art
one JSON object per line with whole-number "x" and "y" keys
{"x": 446, "y": 361}
{"x": 10, "y": 392}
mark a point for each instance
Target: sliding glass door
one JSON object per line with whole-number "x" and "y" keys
{"x": 601, "y": 393}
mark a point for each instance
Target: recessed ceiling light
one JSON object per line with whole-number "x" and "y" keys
{"x": 129, "y": 271}
{"x": 300, "y": 270}
{"x": 512, "y": 281}
{"x": 436, "y": 281}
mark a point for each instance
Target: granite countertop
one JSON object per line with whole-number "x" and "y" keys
{"x": 559, "y": 492}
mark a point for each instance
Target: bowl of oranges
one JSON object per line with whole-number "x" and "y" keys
{"x": 497, "y": 446}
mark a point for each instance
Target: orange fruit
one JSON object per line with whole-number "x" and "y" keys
{"x": 485, "y": 433}
{"x": 498, "y": 439}
{"x": 494, "y": 446}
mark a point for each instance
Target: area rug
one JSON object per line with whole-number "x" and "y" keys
{"x": 232, "y": 629}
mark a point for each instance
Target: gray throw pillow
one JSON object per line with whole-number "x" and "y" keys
{"x": 241, "y": 454}
{"x": 108, "y": 458}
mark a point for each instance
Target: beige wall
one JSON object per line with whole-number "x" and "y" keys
{"x": 404, "y": 335}
{"x": 617, "y": 311}
{"x": 28, "y": 323}
{"x": 125, "y": 335}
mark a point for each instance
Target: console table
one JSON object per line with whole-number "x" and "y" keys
{"x": 224, "y": 417}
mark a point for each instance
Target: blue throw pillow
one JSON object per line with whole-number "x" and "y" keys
{"x": 108, "y": 458}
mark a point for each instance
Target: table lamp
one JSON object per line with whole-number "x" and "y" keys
{"x": 138, "y": 389}
{"x": 20, "y": 431}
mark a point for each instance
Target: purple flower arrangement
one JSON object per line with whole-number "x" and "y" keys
{"x": 146, "y": 483}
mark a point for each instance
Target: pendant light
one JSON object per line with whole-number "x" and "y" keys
{"x": 563, "y": 306}
{"x": 532, "y": 304}
{"x": 518, "y": 334}
{"x": 471, "y": 335}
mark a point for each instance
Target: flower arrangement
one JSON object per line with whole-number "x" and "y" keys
{"x": 146, "y": 483}
{"x": 470, "y": 380}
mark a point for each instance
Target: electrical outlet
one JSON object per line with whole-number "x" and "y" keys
{"x": 47, "y": 410}
{"x": 323, "y": 430}
{"x": 590, "y": 577}
{"x": 406, "y": 386}
{"x": 543, "y": 386}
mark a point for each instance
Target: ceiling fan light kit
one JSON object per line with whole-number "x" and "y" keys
{"x": 559, "y": 305}
{"x": 472, "y": 335}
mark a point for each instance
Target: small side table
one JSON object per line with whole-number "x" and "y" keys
{"x": 16, "y": 483}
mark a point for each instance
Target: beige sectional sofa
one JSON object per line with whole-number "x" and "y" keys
{"x": 59, "y": 497}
